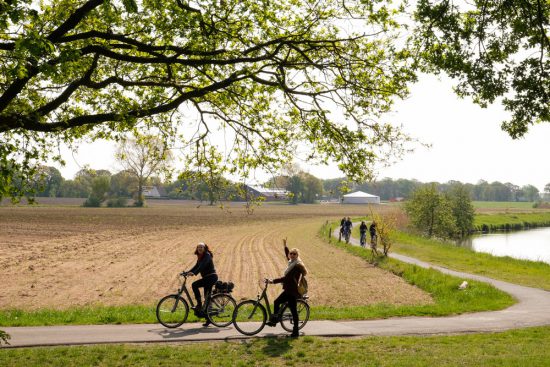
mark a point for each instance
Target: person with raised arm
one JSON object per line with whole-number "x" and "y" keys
{"x": 294, "y": 271}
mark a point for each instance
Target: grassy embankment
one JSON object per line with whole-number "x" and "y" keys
{"x": 503, "y": 205}
{"x": 511, "y": 221}
{"x": 512, "y": 348}
{"x": 524, "y": 272}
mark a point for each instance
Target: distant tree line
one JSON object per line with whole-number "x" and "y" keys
{"x": 303, "y": 187}
{"x": 389, "y": 189}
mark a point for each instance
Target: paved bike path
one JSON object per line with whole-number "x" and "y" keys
{"x": 532, "y": 309}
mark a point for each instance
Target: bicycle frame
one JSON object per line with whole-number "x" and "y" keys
{"x": 183, "y": 289}
{"x": 263, "y": 296}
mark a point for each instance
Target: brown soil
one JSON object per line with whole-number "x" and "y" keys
{"x": 64, "y": 256}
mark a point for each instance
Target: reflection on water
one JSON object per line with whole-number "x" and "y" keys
{"x": 533, "y": 244}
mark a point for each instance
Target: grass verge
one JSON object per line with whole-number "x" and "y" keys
{"x": 502, "y": 204}
{"x": 90, "y": 315}
{"x": 524, "y": 272}
{"x": 511, "y": 348}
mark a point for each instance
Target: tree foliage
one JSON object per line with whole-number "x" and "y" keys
{"x": 267, "y": 73}
{"x": 446, "y": 215}
{"x": 385, "y": 228}
{"x": 430, "y": 212}
{"x": 462, "y": 209}
{"x": 497, "y": 49}
{"x": 100, "y": 186}
{"x": 142, "y": 158}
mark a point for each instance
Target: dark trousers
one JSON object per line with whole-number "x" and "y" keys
{"x": 291, "y": 301}
{"x": 207, "y": 283}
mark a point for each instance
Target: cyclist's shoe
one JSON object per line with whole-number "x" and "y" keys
{"x": 206, "y": 323}
{"x": 273, "y": 320}
{"x": 295, "y": 333}
{"x": 199, "y": 313}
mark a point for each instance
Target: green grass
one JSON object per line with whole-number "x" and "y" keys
{"x": 89, "y": 315}
{"x": 511, "y": 221}
{"x": 448, "y": 299}
{"x": 502, "y": 205}
{"x": 512, "y": 348}
{"x": 524, "y": 272}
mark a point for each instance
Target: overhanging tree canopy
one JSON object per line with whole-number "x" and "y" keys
{"x": 497, "y": 49}
{"x": 269, "y": 73}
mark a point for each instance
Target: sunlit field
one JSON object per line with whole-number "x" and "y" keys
{"x": 62, "y": 256}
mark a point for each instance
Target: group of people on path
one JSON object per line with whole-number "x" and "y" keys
{"x": 295, "y": 270}
{"x": 346, "y": 225}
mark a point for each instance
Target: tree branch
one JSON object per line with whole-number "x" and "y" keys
{"x": 66, "y": 94}
{"x": 140, "y": 45}
{"x": 30, "y": 122}
{"x": 74, "y": 19}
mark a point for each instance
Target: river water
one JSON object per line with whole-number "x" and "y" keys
{"x": 532, "y": 244}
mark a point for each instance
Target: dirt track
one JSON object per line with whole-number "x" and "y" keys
{"x": 63, "y": 256}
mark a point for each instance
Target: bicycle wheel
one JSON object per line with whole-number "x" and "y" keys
{"x": 172, "y": 311}
{"x": 303, "y": 315}
{"x": 249, "y": 317}
{"x": 220, "y": 309}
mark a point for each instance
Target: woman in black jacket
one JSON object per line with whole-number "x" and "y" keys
{"x": 294, "y": 271}
{"x": 204, "y": 266}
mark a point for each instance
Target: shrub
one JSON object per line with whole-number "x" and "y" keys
{"x": 92, "y": 202}
{"x": 119, "y": 202}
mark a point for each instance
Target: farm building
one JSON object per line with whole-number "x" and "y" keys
{"x": 267, "y": 193}
{"x": 154, "y": 192}
{"x": 360, "y": 197}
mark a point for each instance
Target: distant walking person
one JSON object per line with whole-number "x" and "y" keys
{"x": 372, "y": 230}
{"x": 348, "y": 224}
{"x": 363, "y": 231}
{"x": 204, "y": 266}
{"x": 342, "y": 227}
{"x": 293, "y": 273}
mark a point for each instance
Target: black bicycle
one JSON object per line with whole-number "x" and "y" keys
{"x": 173, "y": 310}
{"x": 347, "y": 234}
{"x": 363, "y": 239}
{"x": 250, "y": 316}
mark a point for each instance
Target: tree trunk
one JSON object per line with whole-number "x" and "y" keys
{"x": 140, "y": 200}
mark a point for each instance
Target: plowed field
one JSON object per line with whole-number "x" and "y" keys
{"x": 65, "y": 256}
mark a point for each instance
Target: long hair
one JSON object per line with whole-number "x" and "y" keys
{"x": 206, "y": 249}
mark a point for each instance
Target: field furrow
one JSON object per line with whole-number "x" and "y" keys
{"x": 63, "y": 257}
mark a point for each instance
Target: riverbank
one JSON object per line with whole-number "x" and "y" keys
{"x": 529, "y": 273}
{"x": 510, "y": 221}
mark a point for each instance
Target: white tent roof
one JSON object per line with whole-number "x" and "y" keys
{"x": 359, "y": 194}
{"x": 267, "y": 190}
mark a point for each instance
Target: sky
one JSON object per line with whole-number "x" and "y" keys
{"x": 466, "y": 143}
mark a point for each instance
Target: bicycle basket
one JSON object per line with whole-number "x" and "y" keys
{"x": 224, "y": 287}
